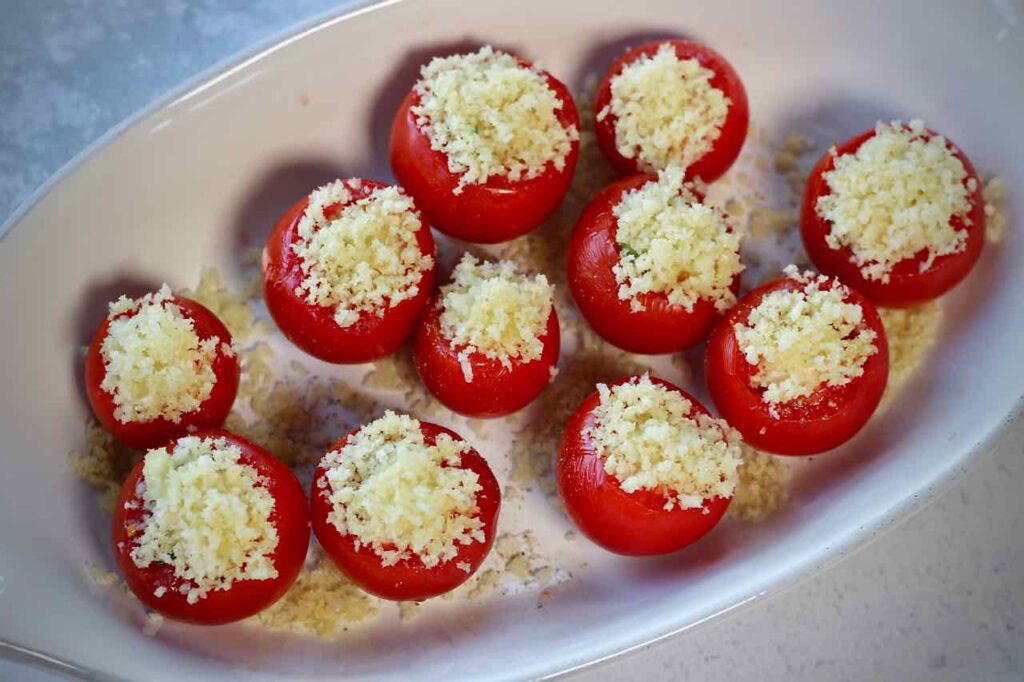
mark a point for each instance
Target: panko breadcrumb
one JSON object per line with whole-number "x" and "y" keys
{"x": 491, "y": 116}
{"x": 671, "y": 243}
{"x": 894, "y": 197}
{"x": 666, "y": 110}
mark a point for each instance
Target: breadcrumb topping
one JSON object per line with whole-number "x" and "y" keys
{"x": 155, "y": 364}
{"x": 491, "y": 116}
{"x": 666, "y": 110}
{"x": 209, "y": 516}
{"x": 364, "y": 260}
{"x": 494, "y": 310}
{"x": 671, "y": 243}
{"x": 396, "y": 494}
{"x": 895, "y": 197}
{"x": 652, "y": 438}
{"x": 799, "y": 340}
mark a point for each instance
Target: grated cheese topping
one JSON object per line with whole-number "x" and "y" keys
{"x": 895, "y": 197}
{"x": 366, "y": 259}
{"x": 491, "y": 116}
{"x": 494, "y": 310}
{"x": 671, "y": 243}
{"x": 666, "y": 110}
{"x": 799, "y": 340}
{"x": 156, "y": 366}
{"x": 401, "y": 497}
{"x": 651, "y": 438}
{"x": 209, "y": 516}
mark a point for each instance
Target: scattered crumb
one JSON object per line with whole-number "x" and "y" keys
{"x": 232, "y": 308}
{"x": 484, "y": 583}
{"x": 407, "y": 610}
{"x": 761, "y": 490}
{"x": 103, "y": 464}
{"x": 322, "y": 602}
{"x": 519, "y": 566}
{"x": 995, "y": 220}
{"x": 911, "y": 333}
{"x": 99, "y": 578}
{"x": 766, "y": 222}
{"x": 154, "y": 621}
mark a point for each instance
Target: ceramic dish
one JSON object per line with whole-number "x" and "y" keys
{"x": 196, "y": 175}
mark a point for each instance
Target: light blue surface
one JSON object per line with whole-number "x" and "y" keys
{"x": 72, "y": 69}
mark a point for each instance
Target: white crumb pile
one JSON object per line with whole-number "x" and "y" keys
{"x": 666, "y": 110}
{"x": 491, "y": 116}
{"x": 364, "y": 260}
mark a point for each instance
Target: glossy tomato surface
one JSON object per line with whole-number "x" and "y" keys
{"x": 907, "y": 285}
{"x": 593, "y": 253}
{"x": 494, "y": 211}
{"x": 211, "y": 412}
{"x": 312, "y": 327}
{"x": 724, "y": 150}
{"x": 245, "y": 597}
{"x": 408, "y": 579}
{"x": 827, "y": 418}
{"x": 495, "y": 390}
{"x": 636, "y": 523}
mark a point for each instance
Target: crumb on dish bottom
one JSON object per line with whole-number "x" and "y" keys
{"x": 294, "y": 413}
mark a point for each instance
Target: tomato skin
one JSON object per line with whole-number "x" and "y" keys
{"x": 725, "y": 149}
{"x": 211, "y": 413}
{"x": 661, "y": 327}
{"x": 245, "y": 597}
{"x": 409, "y": 579}
{"x": 496, "y": 210}
{"x": 495, "y": 390}
{"x": 824, "y": 420}
{"x": 311, "y": 327}
{"x": 907, "y": 286}
{"x": 633, "y": 524}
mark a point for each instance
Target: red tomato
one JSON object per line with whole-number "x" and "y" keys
{"x": 907, "y": 285}
{"x": 312, "y": 327}
{"x": 636, "y": 523}
{"x": 725, "y": 149}
{"x": 495, "y": 390}
{"x": 245, "y": 597}
{"x": 496, "y": 210}
{"x": 146, "y": 434}
{"x": 660, "y": 327}
{"x": 408, "y": 579}
{"x": 827, "y": 418}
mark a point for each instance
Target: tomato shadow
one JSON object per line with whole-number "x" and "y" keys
{"x": 599, "y": 57}
{"x": 832, "y": 118}
{"x": 90, "y": 312}
{"x": 828, "y": 475}
{"x": 270, "y": 196}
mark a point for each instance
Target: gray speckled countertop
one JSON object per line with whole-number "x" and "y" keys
{"x": 941, "y": 597}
